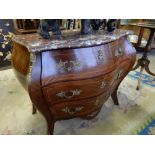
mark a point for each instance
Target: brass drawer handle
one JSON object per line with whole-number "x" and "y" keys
{"x": 74, "y": 93}
{"x": 101, "y": 55}
{"x": 72, "y": 111}
{"x": 118, "y": 74}
{"x": 118, "y": 52}
{"x": 68, "y": 65}
{"x": 103, "y": 84}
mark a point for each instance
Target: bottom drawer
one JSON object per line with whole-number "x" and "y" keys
{"x": 78, "y": 108}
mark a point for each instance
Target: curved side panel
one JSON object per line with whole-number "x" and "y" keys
{"x": 132, "y": 55}
{"x": 21, "y": 63}
{"x": 36, "y": 94}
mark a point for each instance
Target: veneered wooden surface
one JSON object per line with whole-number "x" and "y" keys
{"x": 21, "y": 63}
{"x": 20, "y": 58}
{"x": 85, "y": 68}
{"x": 89, "y": 87}
{"x": 88, "y": 59}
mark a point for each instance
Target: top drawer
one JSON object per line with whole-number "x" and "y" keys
{"x": 60, "y": 65}
{"x": 120, "y": 49}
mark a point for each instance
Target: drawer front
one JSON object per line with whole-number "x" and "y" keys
{"x": 75, "y": 90}
{"x": 90, "y": 62}
{"x": 120, "y": 73}
{"x": 120, "y": 50}
{"x": 103, "y": 55}
{"x": 78, "y": 108}
{"x": 122, "y": 69}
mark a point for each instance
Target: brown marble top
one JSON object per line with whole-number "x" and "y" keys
{"x": 69, "y": 39}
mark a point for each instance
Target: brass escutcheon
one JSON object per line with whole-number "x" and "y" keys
{"x": 118, "y": 52}
{"x": 103, "y": 84}
{"x": 73, "y": 93}
{"x": 101, "y": 55}
{"x": 118, "y": 74}
{"x": 68, "y": 65}
{"x": 72, "y": 111}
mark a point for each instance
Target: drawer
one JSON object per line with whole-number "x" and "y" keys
{"x": 78, "y": 108}
{"x": 60, "y": 65}
{"x": 118, "y": 50}
{"x": 75, "y": 90}
{"x": 103, "y": 55}
{"x": 121, "y": 71}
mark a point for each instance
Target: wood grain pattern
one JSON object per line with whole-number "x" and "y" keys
{"x": 21, "y": 58}
{"x": 67, "y": 83}
{"x": 21, "y": 63}
{"x": 67, "y": 110}
{"x": 89, "y": 64}
{"x": 36, "y": 94}
{"x": 86, "y": 86}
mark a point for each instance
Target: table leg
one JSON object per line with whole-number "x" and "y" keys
{"x": 140, "y": 77}
{"x": 144, "y": 62}
{"x": 137, "y": 65}
{"x": 149, "y": 42}
{"x": 148, "y": 70}
{"x": 147, "y": 48}
{"x": 140, "y": 36}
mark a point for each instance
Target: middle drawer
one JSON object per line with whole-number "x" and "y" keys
{"x": 78, "y": 89}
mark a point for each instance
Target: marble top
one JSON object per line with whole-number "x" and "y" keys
{"x": 70, "y": 39}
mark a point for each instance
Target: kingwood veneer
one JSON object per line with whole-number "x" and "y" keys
{"x": 73, "y": 76}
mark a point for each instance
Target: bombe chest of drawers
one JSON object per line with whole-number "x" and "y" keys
{"x": 73, "y": 76}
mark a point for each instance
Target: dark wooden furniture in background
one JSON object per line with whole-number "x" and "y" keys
{"x": 74, "y": 76}
{"x": 141, "y": 32}
{"x": 128, "y": 26}
{"x": 144, "y": 62}
{"x": 26, "y": 26}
